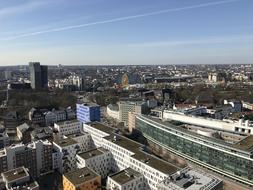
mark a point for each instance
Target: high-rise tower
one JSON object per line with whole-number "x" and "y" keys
{"x": 38, "y": 76}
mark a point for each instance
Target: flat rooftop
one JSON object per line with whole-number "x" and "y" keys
{"x": 125, "y": 176}
{"x": 191, "y": 180}
{"x": 169, "y": 125}
{"x": 245, "y": 144}
{"x": 15, "y": 174}
{"x": 65, "y": 142}
{"x": 89, "y": 104}
{"x": 27, "y": 186}
{"x": 68, "y": 122}
{"x": 80, "y": 176}
{"x": 77, "y": 135}
{"x": 101, "y": 127}
{"x": 92, "y": 153}
{"x": 142, "y": 156}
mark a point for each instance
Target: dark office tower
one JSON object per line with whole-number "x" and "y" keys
{"x": 38, "y": 76}
{"x": 44, "y": 77}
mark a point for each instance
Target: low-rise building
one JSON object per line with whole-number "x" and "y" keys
{"x": 190, "y": 180}
{"x": 99, "y": 160}
{"x": 4, "y": 138}
{"x": 11, "y": 121}
{"x": 19, "y": 179}
{"x": 70, "y": 113}
{"x": 68, "y": 127}
{"x": 43, "y": 133}
{"x": 50, "y": 118}
{"x": 84, "y": 141}
{"x": 23, "y": 133}
{"x": 138, "y": 107}
{"x": 113, "y": 111}
{"x": 126, "y": 179}
{"x": 36, "y": 116}
{"x": 247, "y": 105}
{"x": 81, "y": 179}
{"x": 36, "y": 156}
{"x": 66, "y": 150}
{"x": 88, "y": 112}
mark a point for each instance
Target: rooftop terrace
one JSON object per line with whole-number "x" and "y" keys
{"x": 80, "y": 176}
{"x": 65, "y": 142}
{"x": 68, "y": 122}
{"x": 92, "y": 153}
{"x": 77, "y": 135}
{"x": 101, "y": 127}
{"x": 139, "y": 154}
{"x": 125, "y": 176}
{"x": 15, "y": 174}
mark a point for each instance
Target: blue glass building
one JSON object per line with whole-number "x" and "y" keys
{"x": 88, "y": 112}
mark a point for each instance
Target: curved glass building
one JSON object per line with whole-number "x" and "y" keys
{"x": 232, "y": 160}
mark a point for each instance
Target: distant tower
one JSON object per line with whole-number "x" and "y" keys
{"x": 38, "y": 76}
{"x": 125, "y": 80}
{"x": 7, "y": 96}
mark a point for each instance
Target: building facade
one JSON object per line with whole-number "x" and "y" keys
{"x": 99, "y": 160}
{"x": 38, "y": 76}
{"x": 126, "y": 179}
{"x": 66, "y": 150}
{"x": 129, "y": 154}
{"x": 19, "y": 178}
{"x": 36, "y": 156}
{"x": 81, "y": 179}
{"x": 88, "y": 112}
{"x": 68, "y": 127}
{"x": 234, "y": 161}
{"x": 125, "y": 107}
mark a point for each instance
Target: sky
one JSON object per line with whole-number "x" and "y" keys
{"x": 121, "y": 32}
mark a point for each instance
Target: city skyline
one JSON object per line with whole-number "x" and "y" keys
{"x": 127, "y": 32}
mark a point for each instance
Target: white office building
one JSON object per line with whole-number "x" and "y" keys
{"x": 36, "y": 156}
{"x": 64, "y": 157}
{"x": 129, "y": 154}
{"x": 99, "y": 160}
{"x": 68, "y": 127}
{"x": 126, "y": 179}
{"x": 84, "y": 141}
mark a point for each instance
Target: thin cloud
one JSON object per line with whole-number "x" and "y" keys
{"x": 209, "y": 40}
{"x": 28, "y": 6}
{"x": 121, "y": 19}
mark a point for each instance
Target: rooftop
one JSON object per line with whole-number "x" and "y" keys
{"x": 92, "y": 153}
{"x": 89, "y": 104}
{"x": 245, "y": 144}
{"x": 170, "y": 125}
{"x": 77, "y": 135}
{"x": 80, "y": 176}
{"x": 68, "y": 122}
{"x": 190, "y": 180}
{"x": 29, "y": 185}
{"x": 101, "y": 127}
{"x": 125, "y": 176}
{"x": 144, "y": 157}
{"x": 15, "y": 174}
{"x": 23, "y": 127}
{"x": 65, "y": 142}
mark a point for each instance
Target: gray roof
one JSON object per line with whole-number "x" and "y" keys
{"x": 24, "y": 127}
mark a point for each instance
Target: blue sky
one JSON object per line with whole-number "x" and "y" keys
{"x": 101, "y": 32}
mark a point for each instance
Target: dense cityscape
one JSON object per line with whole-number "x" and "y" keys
{"x": 126, "y": 95}
{"x": 126, "y": 127}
